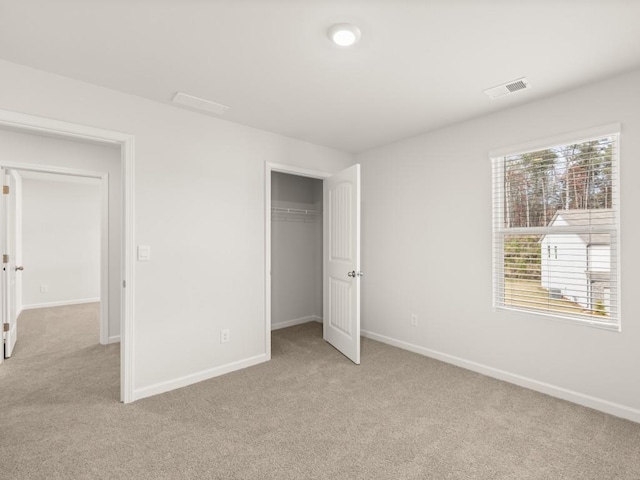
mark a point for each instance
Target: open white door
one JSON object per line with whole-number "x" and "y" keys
{"x": 341, "y": 306}
{"x": 9, "y": 307}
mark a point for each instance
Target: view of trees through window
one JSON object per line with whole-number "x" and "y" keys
{"x": 538, "y": 184}
{"x": 567, "y": 186}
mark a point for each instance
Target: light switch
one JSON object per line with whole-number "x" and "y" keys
{"x": 144, "y": 253}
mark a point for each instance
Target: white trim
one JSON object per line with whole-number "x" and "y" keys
{"x": 596, "y": 403}
{"x": 52, "y": 169}
{"x": 617, "y": 243}
{"x": 48, "y": 126}
{"x": 104, "y": 260}
{"x": 295, "y": 321}
{"x": 267, "y": 259}
{"x": 301, "y": 172}
{"x": 560, "y": 317}
{"x": 61, "y": 303}
{"x": 35, "y": 124}
{"x": 198, "y": 377}
{"x": 497, "y": 241}
{"x": 127, "y": 317}
{"x": 268, "y": 168}
{"x": 114, "y": 339}
{"x": 577, "y": 136}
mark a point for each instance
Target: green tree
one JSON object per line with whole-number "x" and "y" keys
{"x": 522, "y": 257}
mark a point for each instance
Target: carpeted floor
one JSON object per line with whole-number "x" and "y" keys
{"x": 307, "y": 414}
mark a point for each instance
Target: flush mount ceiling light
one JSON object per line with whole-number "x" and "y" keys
{"x": 344, "y": 34}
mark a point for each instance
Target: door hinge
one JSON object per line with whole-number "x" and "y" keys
{"x": 5, "y": 258}
{"x": 124, "y": 284}
{"x": 5, "y": 189}
{"x": 5, "y": 327}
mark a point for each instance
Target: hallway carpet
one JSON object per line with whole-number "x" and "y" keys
{"x": 307, "y": 414}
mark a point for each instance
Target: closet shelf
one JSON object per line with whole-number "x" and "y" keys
{"x": 295, "y": 211}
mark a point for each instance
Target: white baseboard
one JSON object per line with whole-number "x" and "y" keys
{"x": 180, "y": 382}
{"x": 114, "y": 339}
{"x": 296, "y": 321}
{"x": 596, "y": 403}
{"x": 61, "y": 303}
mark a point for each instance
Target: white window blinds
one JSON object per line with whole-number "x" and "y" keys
{"x": 556, "y": 239}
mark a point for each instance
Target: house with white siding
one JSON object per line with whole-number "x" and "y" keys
{"x": 577, "y": 266}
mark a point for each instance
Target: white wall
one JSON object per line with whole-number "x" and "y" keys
{"x": 427, "y": 249}
{"x": 40, "y": 150}
{"x": 60, "y": 240}
{"x": 199, "y": 198}
{"x": 296, "y": 251}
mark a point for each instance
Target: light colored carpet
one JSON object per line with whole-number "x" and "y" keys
{"x": 307, "y": 414}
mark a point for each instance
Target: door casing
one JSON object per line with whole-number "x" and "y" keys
{"x": 65, "y": 130}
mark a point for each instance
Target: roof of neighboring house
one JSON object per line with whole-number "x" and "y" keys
{"x": 583, "y": 218}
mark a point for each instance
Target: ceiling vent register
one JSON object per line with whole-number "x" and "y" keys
{"x": 198, "y": 103}
{"x": 508, "y": 88}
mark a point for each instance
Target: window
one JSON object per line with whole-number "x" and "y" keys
{"x": 561, "y": 200}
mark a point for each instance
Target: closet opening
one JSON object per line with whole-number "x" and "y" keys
{"x": 312, "y": 256}
{"x": 294, "y": 248}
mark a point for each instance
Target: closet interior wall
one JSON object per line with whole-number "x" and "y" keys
{"x": 296, "y": 250}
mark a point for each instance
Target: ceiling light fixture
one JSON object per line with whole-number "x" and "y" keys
{"x": 344, "y": 34}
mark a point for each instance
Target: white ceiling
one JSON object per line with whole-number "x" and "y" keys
{"x": 420, "y": 65}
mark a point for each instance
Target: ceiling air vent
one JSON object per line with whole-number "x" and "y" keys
{"x": 199, "y": 103}
{"x": 507, "y": 88}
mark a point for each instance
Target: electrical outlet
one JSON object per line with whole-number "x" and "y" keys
{"x": 224, "y": 335}
{"x": 44, "y": 288}
{"x": 414, "y": 320}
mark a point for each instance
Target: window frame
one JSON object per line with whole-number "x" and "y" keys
{"x": 500, "y": 232}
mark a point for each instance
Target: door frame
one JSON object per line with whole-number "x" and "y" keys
{"x": 64, "y": 130}
{"x": 291, "y": 170}
{"x": 104, "y": 229}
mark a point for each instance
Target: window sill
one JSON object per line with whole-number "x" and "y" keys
{"x": 602, "y": 325}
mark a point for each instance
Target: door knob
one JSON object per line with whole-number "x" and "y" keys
{"x": 19, "y": 268}
{"x": 352, "y": 273}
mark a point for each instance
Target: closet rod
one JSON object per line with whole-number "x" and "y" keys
{"x": 295, "y": 210}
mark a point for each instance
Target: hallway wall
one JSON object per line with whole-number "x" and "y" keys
{"x": 60, "y": 240}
